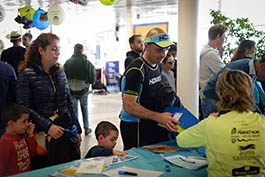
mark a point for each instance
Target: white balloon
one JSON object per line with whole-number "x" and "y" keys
{"x": 2, "y": 13}
{"x": 55, "y": 14}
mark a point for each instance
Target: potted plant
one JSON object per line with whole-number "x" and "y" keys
{"x": 239, "y": 29}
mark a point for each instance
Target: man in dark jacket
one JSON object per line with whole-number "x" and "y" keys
{"x": 14, "y": 55}
{"x": 137, "y": 46}
{"x": 7, "y": 84}
{"x": 80, "y": 74}
{"x": 254, "y": 68}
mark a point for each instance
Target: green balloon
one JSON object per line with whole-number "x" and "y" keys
{"x": 27, "y": 12}
{"x": 107, "y": 2}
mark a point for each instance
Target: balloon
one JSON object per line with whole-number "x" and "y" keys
{"x": 2, "y": 13}
{"x": 2, "y": 46}
{"x": 81, "y": 2}
{"x": 41, "y": 25}
{"x": 27, "y": 12}
{"x": 107, "y": 2}
{"x": 55, "y": 14}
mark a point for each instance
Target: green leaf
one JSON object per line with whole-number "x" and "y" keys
{"x": 239, "y": 29}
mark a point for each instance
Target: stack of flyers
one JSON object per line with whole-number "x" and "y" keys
{"x": 161, "y": 148}
{"x": 68, "y": 170}
{"x": 115, "y": 159}
{"x": 190, "y": 162}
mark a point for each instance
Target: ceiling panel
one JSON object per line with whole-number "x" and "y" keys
{"x": 155, "y": 7}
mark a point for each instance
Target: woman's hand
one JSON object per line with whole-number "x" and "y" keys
{"x": 55, "y": 131}
{"x": 214, "y": 114}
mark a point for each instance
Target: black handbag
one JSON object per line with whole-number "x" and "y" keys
{"x": 63, "y": 149}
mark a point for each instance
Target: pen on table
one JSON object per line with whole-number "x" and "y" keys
{"x": 127, "y": 173}
{"x": 167, "y": 168}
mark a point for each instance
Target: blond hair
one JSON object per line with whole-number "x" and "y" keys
{"x": 235, "y": 90}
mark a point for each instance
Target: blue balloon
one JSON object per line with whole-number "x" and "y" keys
{"x": 41, "y": 25}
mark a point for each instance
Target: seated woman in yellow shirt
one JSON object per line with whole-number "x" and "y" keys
{"x": 234, "y": 139}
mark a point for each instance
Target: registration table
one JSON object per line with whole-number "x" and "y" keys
{"x": 146, "y": 160}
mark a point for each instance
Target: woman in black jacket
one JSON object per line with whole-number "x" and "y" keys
{"x": 42, "y": 87}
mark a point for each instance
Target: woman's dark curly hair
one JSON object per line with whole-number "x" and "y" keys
{"x": 32, "y": 55}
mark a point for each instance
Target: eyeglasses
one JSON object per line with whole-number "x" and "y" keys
{"x": 55, "y": 49}
{"x": 171, "y": 62}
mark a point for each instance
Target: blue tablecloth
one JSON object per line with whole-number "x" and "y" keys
{"x": 147, "y": 160}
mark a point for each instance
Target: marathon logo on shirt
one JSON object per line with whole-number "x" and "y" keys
{"x": 246, "y": 170}
{"x": 154, "y": 80}
{"x": 244, "y": 135}
{"x": 249, "y": 146}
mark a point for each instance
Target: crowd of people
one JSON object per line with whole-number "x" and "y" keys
{"x": 39, "y": 103}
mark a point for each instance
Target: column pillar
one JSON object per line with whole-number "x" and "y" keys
{"x": 188, "y": 61}
{"x": 129, "y": 25}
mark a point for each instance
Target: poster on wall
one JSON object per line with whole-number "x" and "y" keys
{"x": 144, "y": 28}
{"x": 97, "y": 52}
{"x": 113, "y": 76}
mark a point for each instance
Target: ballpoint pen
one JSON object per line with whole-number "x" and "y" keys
{"x": 127, "y": 173}
{"x": 167, "y": 168}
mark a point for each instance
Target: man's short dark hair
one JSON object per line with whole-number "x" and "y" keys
{"x": 78, "y": 48}
{"x": 133, "y": 37}
{"x": 12, "y": 111}
{"x": 28, "y": 35}
{"x": 215, "y": 30}
{"x": 104, "y": 128}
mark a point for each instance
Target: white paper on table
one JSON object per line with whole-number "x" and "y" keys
{"x": 91, "y": 166}
{"x": 190, "y": 162}
{"x": 140, "y": 172}
{"x": 114, "y": 159}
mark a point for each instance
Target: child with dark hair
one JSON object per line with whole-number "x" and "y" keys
{"x": 17, "y": 144}
{"x": 234, "y": 138}
{"x": 106, "y": 134}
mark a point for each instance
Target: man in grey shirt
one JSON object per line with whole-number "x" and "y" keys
{"x": 210, "y": 59}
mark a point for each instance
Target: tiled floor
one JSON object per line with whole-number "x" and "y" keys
{"x": 101, "y": 107}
